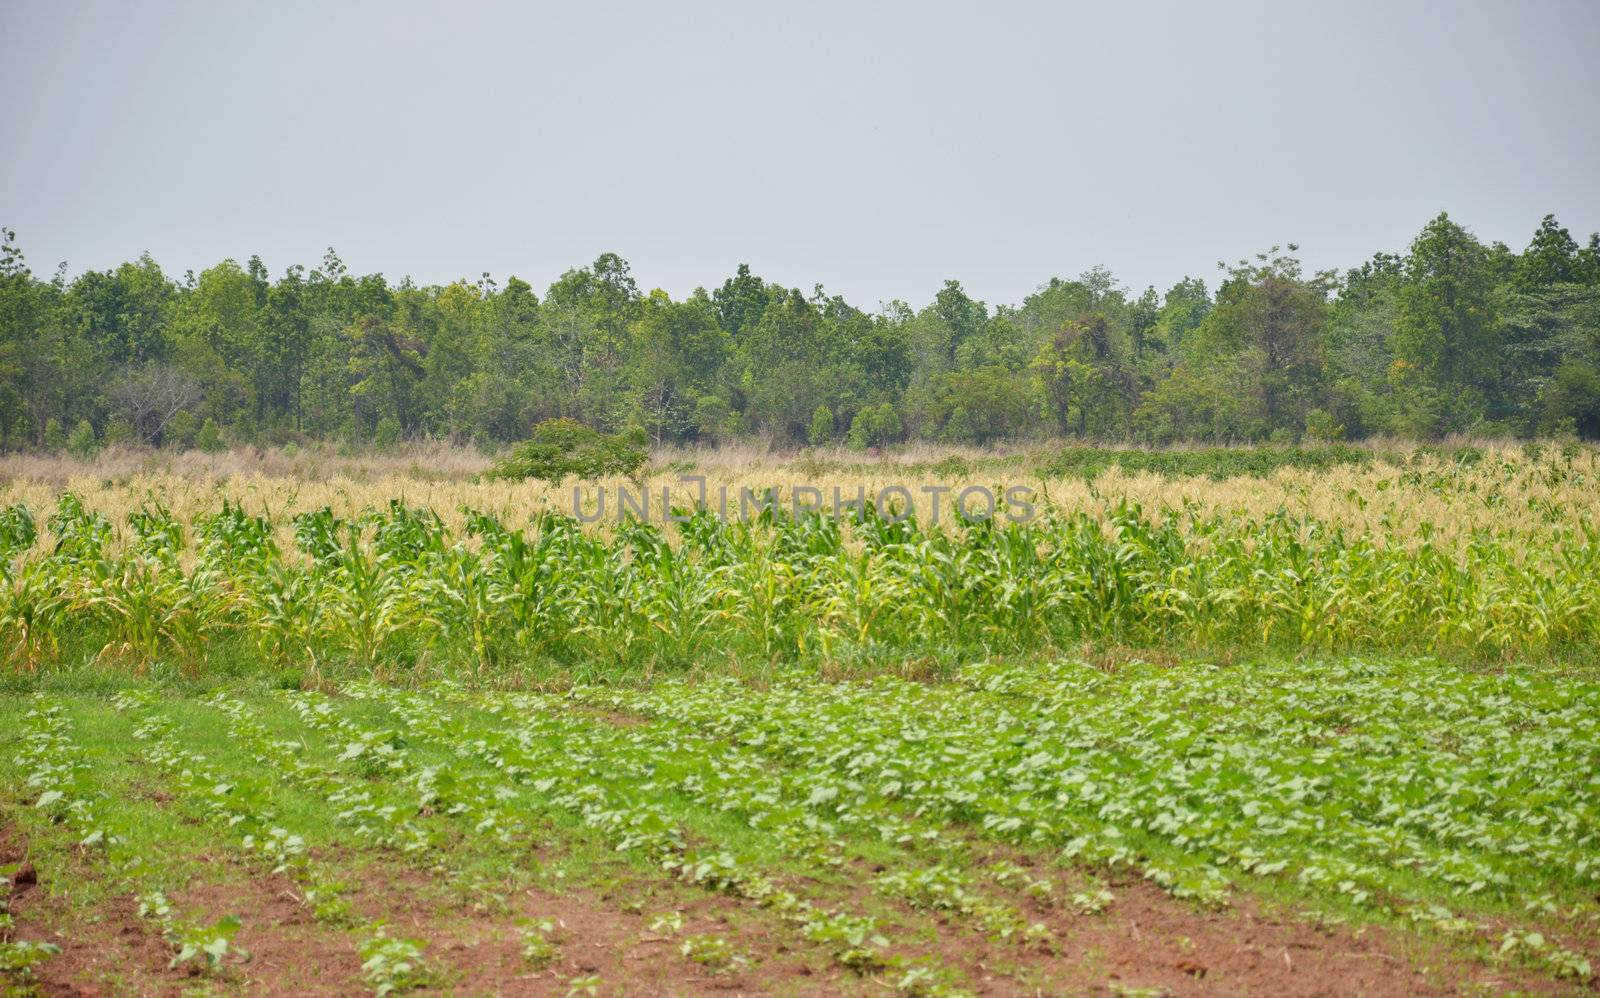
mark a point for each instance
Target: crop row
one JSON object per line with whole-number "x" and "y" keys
{"x": 1405, "y": 788}
{"x": 397, "y": 586}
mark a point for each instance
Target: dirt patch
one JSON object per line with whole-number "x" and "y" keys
{"x": 281, "y": 950}
{"x": 289, "y": 953}
{"x": 1149, "y": 939}
{"x": 1145, "y": 940}
{"x": 606, "y": 934}
{"x": 14, "y": 858}
{"x": 112, "y": 953}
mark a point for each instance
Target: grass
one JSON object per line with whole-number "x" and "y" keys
{"x": 1217, "y": 464}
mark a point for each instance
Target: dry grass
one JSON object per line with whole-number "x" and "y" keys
{"x": 420, "y": 461}
{"x": 1504, "y": 492}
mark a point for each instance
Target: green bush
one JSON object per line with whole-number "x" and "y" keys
{"x": 560, "y": 448}
{"x": 714, "y": 420}
{"x": 82, "y": 442}
{"x": 209, "y": 439}
{"x": 821, "y": 429}
{"x": 55, "y": 437}
{"x": 959, "y": 429}
{"x": 118, "y": 431}
{"x": 387, "y": 434}
{"x": 875, "y": 426}
{"x": 1322, "y": 427}
{"x": 181, "y": 431}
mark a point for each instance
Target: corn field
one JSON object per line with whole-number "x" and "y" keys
{"x": 395, "y": 587}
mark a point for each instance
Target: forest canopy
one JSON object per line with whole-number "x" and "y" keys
{"x": 1454, "y": 335}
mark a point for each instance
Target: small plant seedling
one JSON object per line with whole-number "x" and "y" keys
{"x": 154, "y": 905}
{"x": 390, "y": 965}
{"x": 19, "y": 957}
{"x": 328, "y": 904}
{"x": 712, "y": 952}
{"x": 538, "y": 946}
{"x": 208, "y": 943}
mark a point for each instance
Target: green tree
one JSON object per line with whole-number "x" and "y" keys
{"x": 875, "y": 426}
{"x": 821, "y": 429}
{"x": 209, "y": 439}
{"x": 1444, "y": 332}
{"x": 675, "y": 353}
{"x": 1085, "y": 377}
{"x": 562, "y": 448}
{"x": 82, "y": 442}
{"x": 1551, "y": 258}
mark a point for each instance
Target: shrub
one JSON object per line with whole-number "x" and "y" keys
{"x": 209, "y": 439}
{"x": 959, "y": 428}
{"x": 82, "y": 442}
{"x": 55, "y": 437}
{"x": 562, "y": 447}
{"x": 1321, "y": 427}
{"x": 387, "y": 434}
{"x": 181, "y": 431}
{"x": 118, "y": 431}
{"x": 714, "y": 420}
{"x": 874, "y": 426}
{"x": 821, "y": 429}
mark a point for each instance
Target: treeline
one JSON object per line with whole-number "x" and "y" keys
{"x": 1453, "y": 335}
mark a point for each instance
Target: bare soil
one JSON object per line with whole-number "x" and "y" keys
{"x": 1145, "y": 942}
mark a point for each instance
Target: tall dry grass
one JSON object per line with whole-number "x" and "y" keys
{"x": 1410, "y": 494}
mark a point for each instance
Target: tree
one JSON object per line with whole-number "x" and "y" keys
{"x": 779, "y": 361}
{"x": 875, "y": 426}
{"x": 209, "y": 439}
{"x": 589, "y": 310}
{"x": 741, "y": 300}
{"x": 560, "y": 448}
{"x": 1280, "y": 316}
{"x": 1551, "y": 355}
{"x": 982, "y": 405}
{"x": 676, "y": 350}
{"x": 1444, "y": 331}
{"x": 821, "y": 429}
{"x": 150, "y": 397}
{"x": 82, "y": 442}
{"x": 1452, "y": 334}
{"x": 18, "y": 319}
{"x": 1551, "y": 258}
{"x": 1085, "y": 378}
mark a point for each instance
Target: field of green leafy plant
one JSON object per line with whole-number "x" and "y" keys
{"x": 1453, "y": 806}
{"x": 1116, "y": 750}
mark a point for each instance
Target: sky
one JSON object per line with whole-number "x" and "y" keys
{"x": 875, "y": 148}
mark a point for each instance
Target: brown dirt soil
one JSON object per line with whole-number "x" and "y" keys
{"x": 1145, "y": 940}
{"x": 115, "y": 952}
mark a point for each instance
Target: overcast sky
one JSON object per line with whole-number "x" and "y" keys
{"x": 875, "y": 148}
